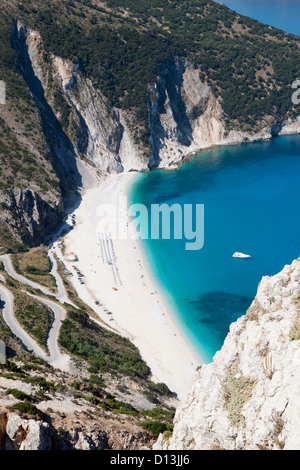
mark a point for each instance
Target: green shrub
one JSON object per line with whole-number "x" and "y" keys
{"x": 157, "y": 427}
{"x": 103, "y": 350}
{"x": 161, "y": 388}
{"x": 40, "y": 382}
{"x": 95, "y": 379}
{"x": 11, "y": 366}
{"x": 150, "y": 396}
{"x": 18, "y": 394}
{"x": 28, "y": 408}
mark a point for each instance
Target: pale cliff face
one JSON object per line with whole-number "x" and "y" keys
{"x": 186, "y": 117}
{"x": 96, "y": 138}
{"x": 101, "y": 131}
{"x": 248, "y": 397}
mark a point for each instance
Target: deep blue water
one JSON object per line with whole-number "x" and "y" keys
{"x": 252, "y": 200}
{"x": 283, "y": 14}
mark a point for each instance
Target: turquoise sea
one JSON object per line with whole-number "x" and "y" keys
{"x": 252, "y": 200}
{"x": 252, "y": 203}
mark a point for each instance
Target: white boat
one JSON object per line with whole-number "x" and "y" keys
{"x": 240, "y": 255}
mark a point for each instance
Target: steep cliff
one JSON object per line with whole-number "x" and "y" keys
{"x": 79, "y": 123}
{"x": 253, "y": 381}
{"x": 72, "y": 139}
{"x": 32, "y": 217}
{"x": 103, "y": 88}
{"x": 30, "y": 196}
{"x": 186, "y": 117}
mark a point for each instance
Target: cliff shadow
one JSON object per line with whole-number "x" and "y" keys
{"x": 60, "y": 149}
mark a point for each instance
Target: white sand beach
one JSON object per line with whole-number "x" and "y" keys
{"x": 116, "y": 274}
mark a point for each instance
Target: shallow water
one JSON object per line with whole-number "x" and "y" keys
{"x": 251, "y": 201}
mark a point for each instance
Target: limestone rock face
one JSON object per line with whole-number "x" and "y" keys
{"x": 102, "y": 132}
{"x": 35, "y": 217}
{"x": 97, "y": 129}
{"x": 23, "y": 434}
{"x": 186, "y": 117}
{"x": 248, "y": 397}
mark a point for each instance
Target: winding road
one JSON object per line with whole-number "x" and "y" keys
{"x": 7, "y": 301}
{"x": 55, "y": 357}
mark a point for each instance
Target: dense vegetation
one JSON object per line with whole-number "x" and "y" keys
{"x": 35, "y": 317}
{"x": 121, "y": 44}
{"x": 22, "y": 145}
{"x": 103, "y": 350}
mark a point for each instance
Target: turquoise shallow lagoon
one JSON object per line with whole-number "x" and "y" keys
{"x": 251, "y": 195}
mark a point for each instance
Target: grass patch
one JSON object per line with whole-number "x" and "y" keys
{"x": 35, "y": 265}
{"x": 294, "y": 333}
{"x": 236, "y": 392}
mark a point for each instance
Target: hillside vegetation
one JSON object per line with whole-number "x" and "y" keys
{"x": 121, "y": 44}
{"x": 24, "y": 155}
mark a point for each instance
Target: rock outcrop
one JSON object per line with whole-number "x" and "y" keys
{"x": 253, "y": 381}
{"x": 186, "y": 117}
{"x": 25, "y": 433}
{"x": 37, "y": 76}
{"x": 33, "y": 217}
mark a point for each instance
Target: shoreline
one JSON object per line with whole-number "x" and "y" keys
{"x": 120, "y": 312}
{"x": 116, "y": 274}
{"x": 237, "y": 142}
